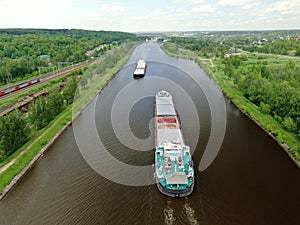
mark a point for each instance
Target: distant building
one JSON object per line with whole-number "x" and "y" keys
{"x": 261, "y": 42}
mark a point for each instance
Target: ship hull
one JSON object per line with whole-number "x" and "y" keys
{"x": 136, "y": 76}
{"x": 140, "y": 69}
{"x": 174, "y": 172}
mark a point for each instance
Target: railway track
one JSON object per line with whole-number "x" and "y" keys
{"x": 16, "y": 89}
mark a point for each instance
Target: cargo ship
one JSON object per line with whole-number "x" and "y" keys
{"x": 174, "y": 169}
{"x": 140, "y": 69}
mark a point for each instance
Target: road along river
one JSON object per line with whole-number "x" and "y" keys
{"x": 251, "y": 180}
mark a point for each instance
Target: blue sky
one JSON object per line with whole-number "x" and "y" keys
{"x": 155, "y": 15}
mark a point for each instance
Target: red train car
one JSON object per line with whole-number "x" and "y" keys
{"x": 19, "y": 86}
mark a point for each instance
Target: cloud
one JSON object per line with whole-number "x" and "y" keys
{"x": 34, "y": 4}
{"x": 234, "y": 2}
{"x": 250, "y": 6}
{"x": 34, "y": 13}
{"x": 188, "y": 1}
{"x": 195, "y": 1}
{"x": 204, "y": 9}
{"x": 106, "y": 17}
{"x": 134, "y": 16}
{"x": 158, "y": 15}
{"x": 114, "y": 9}
{"x": 108, "y": 11}
{"x": 285, "y": 7}
{"x": 181, "y": 12}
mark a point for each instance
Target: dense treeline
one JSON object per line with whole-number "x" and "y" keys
{"x": 16, "y": 128}
{"x": 14, "y": 132}
{"x": 20, "y": 49}
{"x": 281, "y": 47}
{"x": 273, "y": 87}
{"x": 256, "y": 33}
{"x": 204, "y": 46}
{"x": 106, "y": 36}
{"x": 216, "y": 44}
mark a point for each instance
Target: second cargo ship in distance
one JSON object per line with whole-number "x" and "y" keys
{"x": 174, "y": 169}
{"x": 140, "y": 69}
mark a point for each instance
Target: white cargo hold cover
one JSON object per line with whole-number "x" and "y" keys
{"x": 165, "y": 110}
{"x": 164, "y": 101}
{"x": 168, "y": 135}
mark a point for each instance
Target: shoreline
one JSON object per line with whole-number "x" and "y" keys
{"x": 266, "y": 131}
{"x": 283, "y": 146}
{"x": 32, "y": 163}
{"x": 34, "y": 160}
{"x": 26, "y": 169}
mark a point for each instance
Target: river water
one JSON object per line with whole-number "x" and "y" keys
{"x": 251, "y": 181}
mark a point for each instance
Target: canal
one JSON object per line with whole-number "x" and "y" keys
{"x": 251, "y": 180}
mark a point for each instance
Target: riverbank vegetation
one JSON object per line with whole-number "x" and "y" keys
{"x": 17, "y": 127}
{"x": 26, "y": 53}
{"x": 266, "y": 87}
{"x": 48, "y": 115}
{"x": 6, "y": 104}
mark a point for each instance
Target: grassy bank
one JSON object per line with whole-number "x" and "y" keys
{"x": 86, "y": 92}
{"x": 288, "y": 140}
{"x": 15, "y": 99}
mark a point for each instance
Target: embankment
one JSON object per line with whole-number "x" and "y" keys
{"x": 22, "y": 165}
{"x": 245, "y": 106}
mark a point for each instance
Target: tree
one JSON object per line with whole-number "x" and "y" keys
{"x": 39, "y": 113}
{"x": 84, "y": 81}
{"x": 265, "y": 107}
{"x": 70, "y": 90}
{"x": 290, "y": 124}
{"x": 20, "y": 48}
{"x": 298, "y": 51}
{"x": 14, "y": 132}
{"x": 55, "y": 103}
{"x": 265, "y": 72}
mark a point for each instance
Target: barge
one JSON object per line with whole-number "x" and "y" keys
{"x": 140, "y": 69}
{"x": 174, "y": 169}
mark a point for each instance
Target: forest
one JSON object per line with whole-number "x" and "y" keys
{"x": 16, "y": 127}
{"x": 275, "y": 89}
{"x": 216, "y": 44}
{"x": 267, "y": 80}
{"x": 21, "y": 49}
{"x": 20, "y": 127}
{"x": 24, "y": 51}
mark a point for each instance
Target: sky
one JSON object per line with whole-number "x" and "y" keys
{"x": 154, "y": 15}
